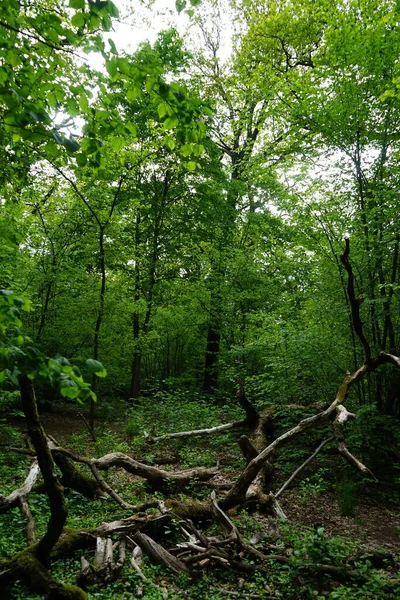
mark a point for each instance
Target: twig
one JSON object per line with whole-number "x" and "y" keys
{"x": 90, "y": 430}
{"x": 305, "y": 463}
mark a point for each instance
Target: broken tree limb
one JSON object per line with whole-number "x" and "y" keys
{"x": 237, "y": 493}
{"x": 338, "y": 428}
{"x": 196, "y": 432}
{"x": 30, "y": 523}
{"x": 247, "y": 448}
{"x": 103, "y": 569}
{"x": 58, "y": 509}
{"x": 252, "y": 415}
{"x": 158, "y": 554}
{"x": 299, "y": 469}
{"x": 71, "y": 477}
{"x": 152, "y": 474}
{"x": 88, "y": 427}
{"x": 222, "y": 519}
{"x": 8, "y": 502}
{"x": 137, "y": 559}
{"x": 107, "y": 488}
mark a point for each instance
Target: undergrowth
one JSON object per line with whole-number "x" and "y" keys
{"x": 167, "y": 413}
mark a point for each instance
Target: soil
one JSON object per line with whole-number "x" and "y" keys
{"x": 373, "y": 525}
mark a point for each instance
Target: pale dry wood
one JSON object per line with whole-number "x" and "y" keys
{"x": 222, "y": 519}
{"x": 338, "y": 428}
{"x": 158, "y": 554}
{"x": 8, "y": 502}
{"x": 302, "y": 466}
{"x": 185, "y": 434}
{"x": 30, "y": 523}
{"x": 108, "y": 489}
{"x": 237, "y": 494}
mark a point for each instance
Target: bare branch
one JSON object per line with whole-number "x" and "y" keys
{"x": 305, "y": 463}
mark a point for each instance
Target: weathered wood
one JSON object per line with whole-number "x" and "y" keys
{"x": 158, "y": 554}
{"x": 222, "y": 519}
{"x": 30, "y": 523}
{"x": 338, "y": 428}
{"x": 247, "y": 448}
{"x": 152, "y": 474}
{"x": 302, "y": 466}
{"x": 196, "y": 432}
{"x": 237, "y": 494}
{"x": 8, "y": 502}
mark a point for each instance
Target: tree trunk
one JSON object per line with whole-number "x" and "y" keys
{"x": 99, "y": 320}
{"x": 58, "y": 511}
{"x": 210, "y": 381}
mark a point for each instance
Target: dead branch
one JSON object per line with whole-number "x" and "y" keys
{"x": 237, "y": 493}
{"x": 152, "y": 474}
{"x": 107, "y": 488}
{"x": 88, "y": 427}
{"x": 222, "y": 519}
{"x": 196, "y": 432}
{"x": 30, "y": 523}
{"x": 338, "y": 428}
{"x": 158, "y": 554}
{"x": 8, "y": 502}
{"x": 103, "y": 569}
{"x": 305, "y": 463}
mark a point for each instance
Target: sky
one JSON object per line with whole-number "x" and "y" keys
{"x": 138, "y": 23}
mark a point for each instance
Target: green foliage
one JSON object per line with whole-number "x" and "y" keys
{"x": 347, "y": 497}
{"x": 314, "y": 485}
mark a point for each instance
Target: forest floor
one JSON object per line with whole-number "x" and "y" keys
{"x": 373, "y": 525}
{"x": 312, "y": 503}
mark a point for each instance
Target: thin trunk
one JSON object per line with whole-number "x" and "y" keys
{"x": 376, "y": 334}
{"x": 210, "y": 381}
{"x": 99, "y": 320}
{"x": 137, "y": 358}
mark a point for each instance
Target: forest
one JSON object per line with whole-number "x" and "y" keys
{"x": 200, "y": 300}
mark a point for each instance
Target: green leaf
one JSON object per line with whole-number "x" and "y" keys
{"x": 71, "y": 145}
{"x": 112, "y": 9}
{"x": 113, "y": 47}
{"x": 12, "y": 58}
{"x": 81, "y": 159}
{"x": 191, "y": 166}
{"x": 117, "y": 143}
{"x": 133, "y": 93}
{"x": 131, "y": 127}
{"x": 77, "y": 4}
{"x": 111, "y": 66}
{"x": 69, "y": 389}
{"x": 180, "y": 5}
{"x": 185, "y": 150}
{"x": 170, "y": 123}
{"x": 170, "y": 142}
{"x": 96, "y": 366}
{"x": 162, "y": 109}
{"x": 78, "y": 20}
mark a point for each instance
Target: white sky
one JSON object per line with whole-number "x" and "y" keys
{"x": 138, "y": 23}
